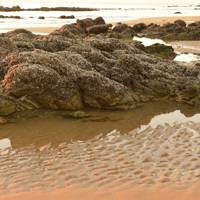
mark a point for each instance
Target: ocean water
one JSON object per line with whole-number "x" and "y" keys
{"x": 109, "y": 9}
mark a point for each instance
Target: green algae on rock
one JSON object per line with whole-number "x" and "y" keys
{"x": 7, "y": 106}
{"x": 161, "y": 50}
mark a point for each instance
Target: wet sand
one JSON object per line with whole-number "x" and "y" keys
{"x": 186, "y": 46}
{"x": 41, "y": 30}
{"x": 138, "y": 193}
{"x": 159, "y": 160}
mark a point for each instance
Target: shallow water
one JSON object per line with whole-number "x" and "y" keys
{"x": 43, "y": 127}
{"x": 112, "y": 11}
{"x": 108, "y": 149}
{"x": 180, "y": 45}
{"x": 148, "y": 41}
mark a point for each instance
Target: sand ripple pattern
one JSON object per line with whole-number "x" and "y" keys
{"x": 166, "y": 154}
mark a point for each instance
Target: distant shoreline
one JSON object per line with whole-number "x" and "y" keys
{"x": 18, "y": 9}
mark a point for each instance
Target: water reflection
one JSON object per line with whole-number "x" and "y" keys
{"x": 54, "y": 127}
{"x": 181, "y": 57}
{"x": 187, "y": 57}
{"x": 148, "y": 41}
{"x": 5, "y": 143}
{"x": 171, "y": 119}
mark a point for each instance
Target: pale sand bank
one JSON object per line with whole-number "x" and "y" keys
{"x": 163, "y": 20}
{"x": 186, "y": 46}
{"x": 157, "y": 20}
{"x": 44, "y": 30}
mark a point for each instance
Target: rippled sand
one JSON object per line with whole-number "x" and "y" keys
{"x": 162, "y": 155}
{"x": 150, "y": 162}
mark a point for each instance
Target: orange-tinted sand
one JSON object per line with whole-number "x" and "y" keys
{"x": 163, "y": 20}
{"x": 37, "y": 29}
{"x": 138, "y": 193}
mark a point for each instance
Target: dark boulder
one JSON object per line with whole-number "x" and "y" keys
{"x": 97, "y": 29}
{"x": 120, "y": 27}
{"x": 67, "y": 17}
{"x": 139, "y": 27}
{"x": 180, "y": 23}
{"x": 41, "y": 17}
{"x": 99, "y": 21}
{"x": 124, "y": 31}
{"x": 85, "y": 23}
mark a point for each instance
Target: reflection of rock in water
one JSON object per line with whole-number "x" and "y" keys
{"x": 43, "y": 127}
{"x": 166, "y": 154}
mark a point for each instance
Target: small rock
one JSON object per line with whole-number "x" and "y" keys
{"x": 41, "y": 17}
{"x": 7, "y": 106}
{"x": 67, "y": 17}
{"x": 120, "y": 27}
{"x": 99, "y": 21}
{"x": 177, "y": 13}
{"x": 180, "y": 23}
{"x": 139, "y": 27}
{"x": 3, "y": 120}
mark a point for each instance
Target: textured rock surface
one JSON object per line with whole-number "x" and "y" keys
{"x": 161, "y": 50}
{"x": 69, "y": 69}
{"x": 97, "y": 29}
{"x": 178, "y": 30}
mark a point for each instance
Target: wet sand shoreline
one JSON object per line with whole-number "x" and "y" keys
{"x": 163, "y": 20}
{"x": 156, "y": 192}
{"x": 157, "y": 20}
{"x": 186, "y": 46}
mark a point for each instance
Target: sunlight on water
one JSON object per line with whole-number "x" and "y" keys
{"x": 148, "y": 41}
{"x": 5, "y": 143}
{"x": 182, "y": 57}
{"x": 112, "y": 11}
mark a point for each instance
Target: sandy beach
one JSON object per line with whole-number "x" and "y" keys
{"x": 142, "y": 164}
{"x": 42, "y": 30}
{"x": 163, "y": 20}
{"x": 138, "y": 193}
{"x": 186, "y": 46}
{"x": 79, "y": 153}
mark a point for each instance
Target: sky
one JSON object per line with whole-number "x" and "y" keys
{"x": 132, "y": 3}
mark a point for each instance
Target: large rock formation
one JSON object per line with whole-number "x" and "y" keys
{"x": 69, "y": 69}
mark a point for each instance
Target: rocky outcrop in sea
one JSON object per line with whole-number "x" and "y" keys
{"x": 178, "y": 30}
{"x": 87, "y": 64}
